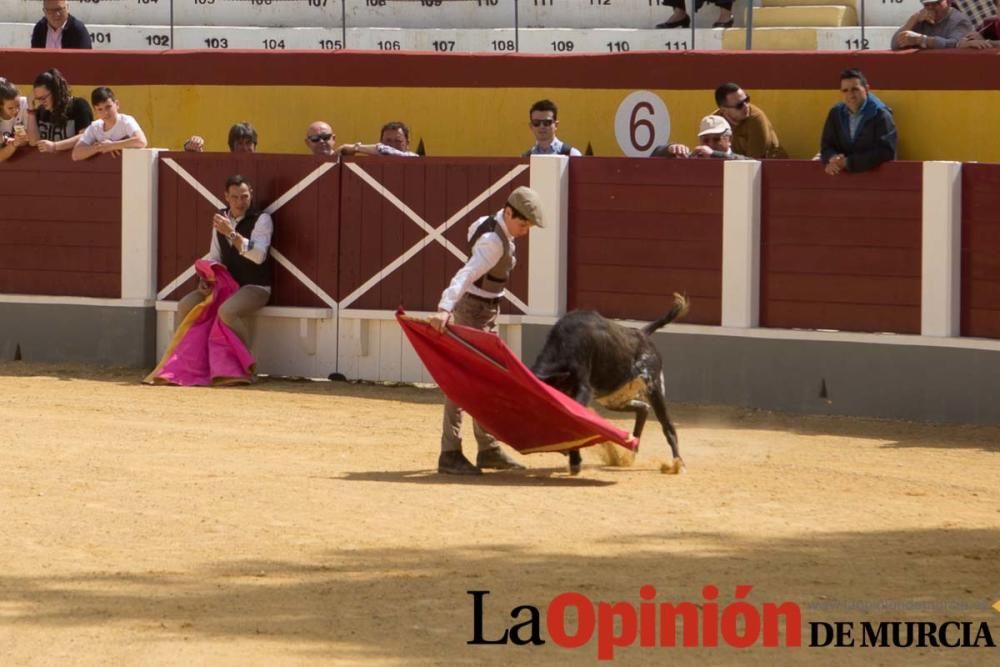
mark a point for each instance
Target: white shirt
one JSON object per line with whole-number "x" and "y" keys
{"x": 53, "y": 38}
{"x": 485, "y": 255}
{"x": 555, "y": 148}
{"x": 257, "y": 247}
{"x": 125, "y": 127}
{"x": 20, "y": 118}
{"x": 385, "y": 149}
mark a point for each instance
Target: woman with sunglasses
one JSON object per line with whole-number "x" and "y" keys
{"x": 753, "y": 134}
{"x": 56, "y": 119}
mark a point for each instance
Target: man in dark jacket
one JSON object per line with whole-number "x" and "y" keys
{"x": 859, "y": 133}
{"x": 59, "y": 30}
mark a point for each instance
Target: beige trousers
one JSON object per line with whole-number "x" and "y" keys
{"x": 245, "y": 302}
{"x": 481, "y": 315}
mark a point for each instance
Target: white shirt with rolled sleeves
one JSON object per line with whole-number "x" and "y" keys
{"x": 258, "y": 245}
{"x": 485, "y": 255}
{"x": 124, "y": 128}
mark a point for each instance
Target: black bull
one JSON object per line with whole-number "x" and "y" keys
{"x": 586, "y": 356}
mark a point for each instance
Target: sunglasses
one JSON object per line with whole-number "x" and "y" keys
{"x": 547, "y": 122}
{"x": 316, "y": 138}
{"x": 742, "y": 103}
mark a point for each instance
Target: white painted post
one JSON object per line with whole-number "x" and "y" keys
{"x": 741, "y": 244}
{"x": 139, "y": 211}
{"x": 941, "y": 283}
{"x": 547, "y": 264}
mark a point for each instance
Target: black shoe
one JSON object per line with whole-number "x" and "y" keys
{"x": 679, "y": 23}
{"x": 497, "y": 459}
{"x": 454, "y": 463}
{"x": 724, "y": 24}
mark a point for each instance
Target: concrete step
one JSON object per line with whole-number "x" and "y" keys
{"x": 471, "y": 40}
{"x": 814, "y": 16}
{"x": 811, "y": 39}
{"x": 428, "y": 14}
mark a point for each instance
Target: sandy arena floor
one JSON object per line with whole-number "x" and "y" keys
{"x": 301, "y": 523}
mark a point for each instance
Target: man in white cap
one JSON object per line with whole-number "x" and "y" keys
{"x": 473, "y": 299}
{"x": 936, "y": 26}
{"x": 715, "y": 138}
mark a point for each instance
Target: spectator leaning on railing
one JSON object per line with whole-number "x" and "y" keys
{"x": 753, "y": 134}
{"x": 13, "y": 119}
{"x": 242, "y": 139}
{"x": 394, "y": 140}
{"x": 714, "y": 141}
{"x": 56, "y": 119}
{"x": 59, "y": 30}
{"x": 936, "y": 26}
{"x": 859, "y": 133}
{"x": 111, "y": 132}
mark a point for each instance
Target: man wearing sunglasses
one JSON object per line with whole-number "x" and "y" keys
{"x": 320, "y": 140}
{"x": 937, "y": 26}
{"x": 543, "y": 121}
{"x": 753, "y": 134}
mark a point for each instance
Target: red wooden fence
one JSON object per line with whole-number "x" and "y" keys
{"x": 374, "y": 231}
{"x": 841, "y": 252}
{"x": 642, "y": 229}
{"x": 981, "y": 250}
{"x": 60, "y": 225}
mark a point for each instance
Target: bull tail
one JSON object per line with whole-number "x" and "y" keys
{"x": 679, "y": 309}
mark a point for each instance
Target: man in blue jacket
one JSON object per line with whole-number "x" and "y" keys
{"x": 59, "y": 30}
{"x": 859, "y": 133}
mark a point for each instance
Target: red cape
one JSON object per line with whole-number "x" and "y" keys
{"x": 481, "y": 374}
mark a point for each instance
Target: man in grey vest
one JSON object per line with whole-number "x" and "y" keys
{"x": 473, "y": 299}
{"x": 241, "y": 239}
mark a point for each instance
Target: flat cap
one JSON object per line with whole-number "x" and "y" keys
{"x": 526, "y": 202}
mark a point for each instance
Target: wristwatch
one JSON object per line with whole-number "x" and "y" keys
{"x": 923, "y": 42}
{"x": 232, "y": 236}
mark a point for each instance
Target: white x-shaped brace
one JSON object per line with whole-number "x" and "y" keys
{"x": 432, "y": 233}
{"x": 275, "y": 205}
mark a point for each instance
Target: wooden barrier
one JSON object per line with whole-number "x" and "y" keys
{"x": 306, "y": 226}
{"x": 376, "y": 232}
{"x": 61, "y": 225}
{"x": 841, "y": 252}
{"x": 980, "y": 302}
{"x": 642, "y": 229}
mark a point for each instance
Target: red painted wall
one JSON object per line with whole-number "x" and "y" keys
{"x": 640, "y": 230}
{"x": 981, "y": 250}
{"x": 60, "y": 225}
{"x": 940, "y": 70}
{"x": 841, "y": 252}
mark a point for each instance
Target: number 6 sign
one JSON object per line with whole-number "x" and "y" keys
{"x": 642, "y": 123}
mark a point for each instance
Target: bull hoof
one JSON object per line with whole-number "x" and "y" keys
{"x": 575, "y": 468}
{"x": 675, "y": 467}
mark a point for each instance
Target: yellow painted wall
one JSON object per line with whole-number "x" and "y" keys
{"x": 933, "y": 124}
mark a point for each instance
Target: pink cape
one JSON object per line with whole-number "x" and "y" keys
{"x": 205, "y": 351}
{"x": 481, "y": 374}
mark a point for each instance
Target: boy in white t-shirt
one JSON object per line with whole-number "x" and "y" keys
{"x": 13, "y": 119}
{"x": 111, "y": 132}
